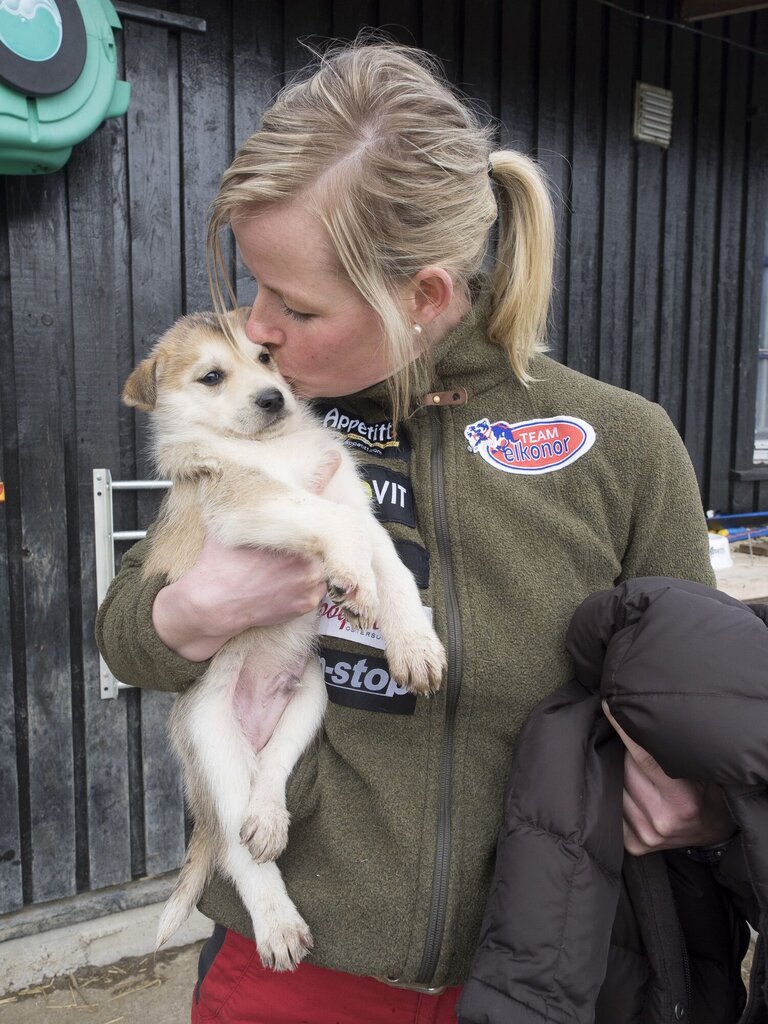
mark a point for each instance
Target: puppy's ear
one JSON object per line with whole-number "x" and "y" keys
{"x": 141, "y": 387}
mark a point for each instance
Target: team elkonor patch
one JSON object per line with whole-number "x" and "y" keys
{"x": 534, "y": 446}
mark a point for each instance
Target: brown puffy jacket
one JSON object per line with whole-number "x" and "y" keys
{"x": 570, "y": 934}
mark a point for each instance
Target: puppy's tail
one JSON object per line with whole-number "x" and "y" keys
{"x": 194, "y": 874}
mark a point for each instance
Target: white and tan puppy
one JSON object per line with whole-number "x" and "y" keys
{"x": 247, "y": 461}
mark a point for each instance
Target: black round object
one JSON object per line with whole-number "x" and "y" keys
{"x": 57, "y": 73}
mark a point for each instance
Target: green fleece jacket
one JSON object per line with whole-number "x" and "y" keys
{"x": 510, "y": 504}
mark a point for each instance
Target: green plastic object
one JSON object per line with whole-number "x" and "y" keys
{"x": 58, "y": 79}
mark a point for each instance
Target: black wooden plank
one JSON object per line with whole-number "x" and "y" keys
{"x": 518, "y": 107}
{"x": 352, "y": 16}
{"x": 704, "y": 241}
{"x": 401, "y": 20}
{"x": 617, "y": 199}
{"x": 650, "y": 168}
{"x": 588, "y": 155}
{"x": 677, "y": 221}
{"x": 556, "y": 32}
{"x": 307, "y": 23}
{"x": 100, "y": 253}
{"x": 441, "y": 34}
{"x": 257, "y": 75}
{"x": 746, "y": 497}
{"x": 482, "y": 53}
{"x": 11, "y": 890}
{"x": 730, "y": 257}
{"x": 206, "y": 112}
{"x": 39, "y": 257}
{"x": 153, "y": 134}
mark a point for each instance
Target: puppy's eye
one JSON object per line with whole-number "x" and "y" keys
{"x": 211, "y": 378}
{"x": 265, "y": 357}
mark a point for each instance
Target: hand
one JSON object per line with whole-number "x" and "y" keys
{"x": 661, "y": 813}
{"x": 229, "y": 590}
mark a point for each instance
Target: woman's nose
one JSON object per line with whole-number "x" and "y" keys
{"x": 259, "y": 330}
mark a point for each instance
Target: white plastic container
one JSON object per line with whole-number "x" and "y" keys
{"x": 719, "y": 552}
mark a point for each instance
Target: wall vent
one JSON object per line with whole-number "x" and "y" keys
{"x": 653, "y": 115}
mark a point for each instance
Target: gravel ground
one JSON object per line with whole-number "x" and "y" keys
{"x": 147, "y": 990}
{"x": 153, "y": 989}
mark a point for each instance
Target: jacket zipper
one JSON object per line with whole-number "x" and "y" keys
{"x": 436, "y": 921}
{"x": 687, "y": 978}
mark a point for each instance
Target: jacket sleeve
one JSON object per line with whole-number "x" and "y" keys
{"x": 668, "y": 534}
{"x": 558, "y": 862}
{"x": 126, "y": 637}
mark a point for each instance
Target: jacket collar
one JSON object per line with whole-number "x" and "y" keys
{"x": 465, "y": 357}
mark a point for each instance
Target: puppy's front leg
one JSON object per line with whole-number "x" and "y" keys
{"x": 187, "y": 460}
{"x": 416, "y": 656}
{"x": 268, "y": 514}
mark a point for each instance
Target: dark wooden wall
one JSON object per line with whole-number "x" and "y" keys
{"x": 658, "y": 281}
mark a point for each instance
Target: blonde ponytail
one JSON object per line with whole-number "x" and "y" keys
{"x": 522, "y": 279}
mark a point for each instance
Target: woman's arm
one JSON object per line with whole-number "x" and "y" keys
{"x": 669, "y": 538}
{"x": 161, "y": 635}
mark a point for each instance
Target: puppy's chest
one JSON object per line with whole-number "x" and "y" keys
{"x": 301, "y": 460}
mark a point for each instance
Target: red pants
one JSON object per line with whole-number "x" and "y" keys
{"x": 236, "y": 989}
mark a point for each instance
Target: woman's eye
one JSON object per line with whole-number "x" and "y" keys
{"x": 264, "y": 357}
{"x": 295, "y": 315}
{"x": 211, "y": 378}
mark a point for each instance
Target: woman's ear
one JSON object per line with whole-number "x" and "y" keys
{"x": 430, "y": 294}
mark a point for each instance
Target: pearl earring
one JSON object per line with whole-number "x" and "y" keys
{"x": 418, "y": 329}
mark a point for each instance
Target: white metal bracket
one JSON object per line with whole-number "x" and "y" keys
{"x": 105, "y": 538}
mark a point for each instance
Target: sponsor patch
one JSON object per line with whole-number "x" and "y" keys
{"x": 535, "y": 446}
{"x": 391, "y": 494}
{"x": 333, "y": 623}
{"x": 370, "y": 438}
{"x": 364, "y": 683}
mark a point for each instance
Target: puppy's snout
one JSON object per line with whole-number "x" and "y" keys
{"x": 271, "y": 400}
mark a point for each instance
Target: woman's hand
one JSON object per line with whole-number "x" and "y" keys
{"x": 661, "y": 813}
{"x": 229, "y": 590}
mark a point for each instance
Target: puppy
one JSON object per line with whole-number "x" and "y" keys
{"x": 251, "y": 465}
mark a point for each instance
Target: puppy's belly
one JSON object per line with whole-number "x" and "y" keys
{"x": 261, "y": 697}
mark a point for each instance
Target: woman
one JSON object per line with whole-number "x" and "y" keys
{"x": 513, "y": 488}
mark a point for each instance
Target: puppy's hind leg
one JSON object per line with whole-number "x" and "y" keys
{"x": 265, "y": 829}
{"x": 282, "y": 937}
{"x": 225, "y": 763}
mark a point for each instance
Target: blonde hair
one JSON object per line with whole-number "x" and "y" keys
{"x": 395, "y": 167}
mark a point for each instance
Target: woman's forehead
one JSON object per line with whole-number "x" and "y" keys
{"x": 286, "y": 243}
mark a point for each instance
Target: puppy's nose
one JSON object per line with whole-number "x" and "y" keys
{"x": 272, "y": 400}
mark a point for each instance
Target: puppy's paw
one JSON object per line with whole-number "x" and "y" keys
{"x": 283, "y": 946}
{"x": 265, "y": 831}
{"x": 357, "y": 596}
{"x": 417, "y": 661}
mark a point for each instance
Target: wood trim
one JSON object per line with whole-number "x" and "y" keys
{"x": 752, "y": 475}
{"x": 698, "y": 10}
{"x": 86, "y": 906}
{"x": 162, "y": 19}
